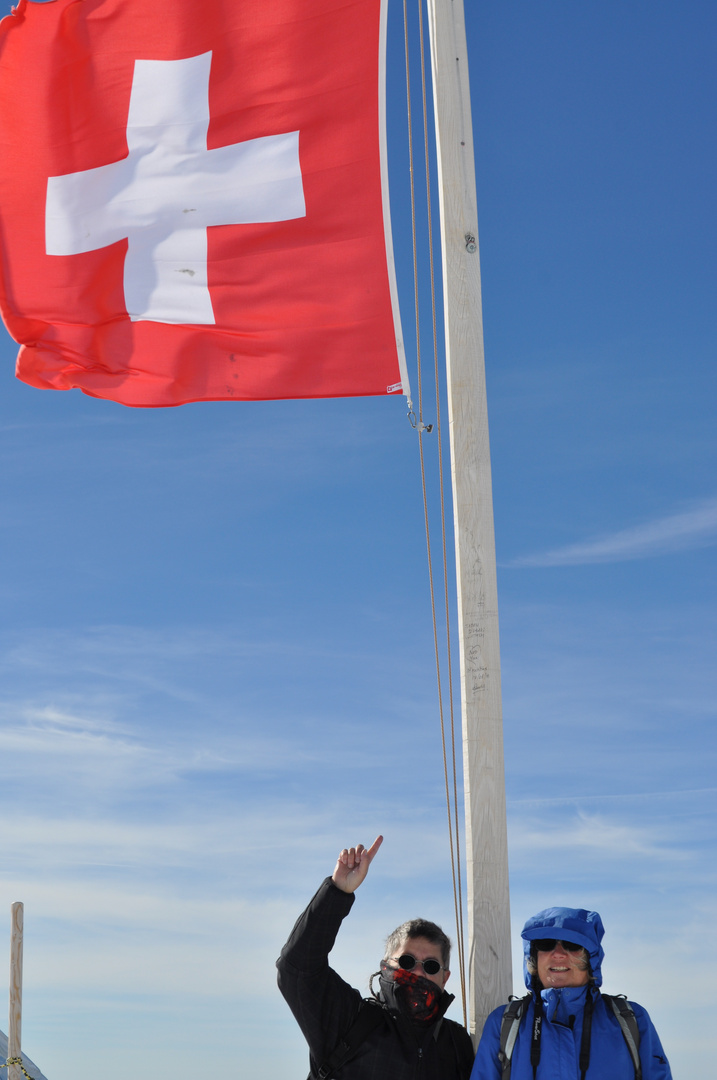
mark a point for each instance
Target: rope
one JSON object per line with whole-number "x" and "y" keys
{"x": 457, "y": 893}
{"x": 18, "y": 1062}
{"x": 421, "y": 428}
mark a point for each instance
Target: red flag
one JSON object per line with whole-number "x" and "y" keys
{"x": 191, "y": 199}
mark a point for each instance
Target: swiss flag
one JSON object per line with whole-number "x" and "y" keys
{"x": 193, "y": 199}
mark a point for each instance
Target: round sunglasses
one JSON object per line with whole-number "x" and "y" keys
{"x": 548, "y": 944}
{"x": 408, "y": 963}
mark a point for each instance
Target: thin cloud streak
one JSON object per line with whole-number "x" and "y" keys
{"x": 690, "y": 528}
{"x": 600, "y": 836}
{"x": 626, "y": 796}
{"x": 135, "y": 756}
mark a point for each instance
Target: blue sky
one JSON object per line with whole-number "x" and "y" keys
{"x": 215, "y": 649}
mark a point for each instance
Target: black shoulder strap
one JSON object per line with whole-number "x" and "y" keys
{"x": 628, "y": 1025}
{"x": 509, "y": 1026}
{"x": 585, "y": 1038}
{"x": 463, "y": 1054}
{"x": 371, "y": 1013}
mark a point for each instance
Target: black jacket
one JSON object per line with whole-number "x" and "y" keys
{"x": 325, "y": 1007}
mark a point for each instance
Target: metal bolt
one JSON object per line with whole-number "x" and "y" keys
{"x": 471, "y": 245}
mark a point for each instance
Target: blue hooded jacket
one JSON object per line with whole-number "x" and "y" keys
{"x": 563, "y": 1012}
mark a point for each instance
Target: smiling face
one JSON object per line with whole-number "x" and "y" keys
{"x": 562, "y": 968}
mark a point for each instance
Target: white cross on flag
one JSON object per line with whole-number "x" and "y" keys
{"x": 193, "y": 199}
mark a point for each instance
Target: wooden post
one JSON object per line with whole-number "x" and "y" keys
{"x": 489, "y": 962}
{"x": 14, "y": 1032}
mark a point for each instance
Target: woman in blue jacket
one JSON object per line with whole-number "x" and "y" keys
{"x": 568, "y": 1030}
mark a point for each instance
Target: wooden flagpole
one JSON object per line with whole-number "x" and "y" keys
{"x": 489, "y": 962}
{"x": 14, "y": 1032}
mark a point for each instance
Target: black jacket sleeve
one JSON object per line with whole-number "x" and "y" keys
{"x": 323, "y": 1004}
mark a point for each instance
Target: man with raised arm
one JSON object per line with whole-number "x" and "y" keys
{"x": 400, "y": 1033}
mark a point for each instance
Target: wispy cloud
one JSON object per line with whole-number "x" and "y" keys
{"x": 210, "y": 837}
{"x": 616, "y": 797}
{"x": 597, "y": 834}
{"x": 695, "y": 527}
{"x": 71, "y": 752}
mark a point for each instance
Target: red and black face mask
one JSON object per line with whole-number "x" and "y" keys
{"x": 417, "y": 997}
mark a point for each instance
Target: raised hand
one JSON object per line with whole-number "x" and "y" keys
{"x": 352, "y": 866}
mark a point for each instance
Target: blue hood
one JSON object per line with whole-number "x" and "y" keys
{"x": 566, "y": 924}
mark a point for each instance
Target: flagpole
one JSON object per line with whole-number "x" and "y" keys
{"x": 489, "y": 962}
{"x": 14, "y": 1031}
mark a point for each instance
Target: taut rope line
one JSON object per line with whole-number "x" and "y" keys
{"x": 421, "y": 427}
{"x": 457, "y": 875}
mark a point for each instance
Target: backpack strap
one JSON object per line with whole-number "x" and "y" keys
{"x": 370, "y": 1015}
{"x": 585, "y": 1038}
{"x": 463, "y": 1054}
{"x": 509, "y": 1027}
{"x": 628, "y": 1025}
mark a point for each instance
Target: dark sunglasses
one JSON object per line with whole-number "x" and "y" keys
{"x": 548, "y": 944}
{"x": 408, "y": 963}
